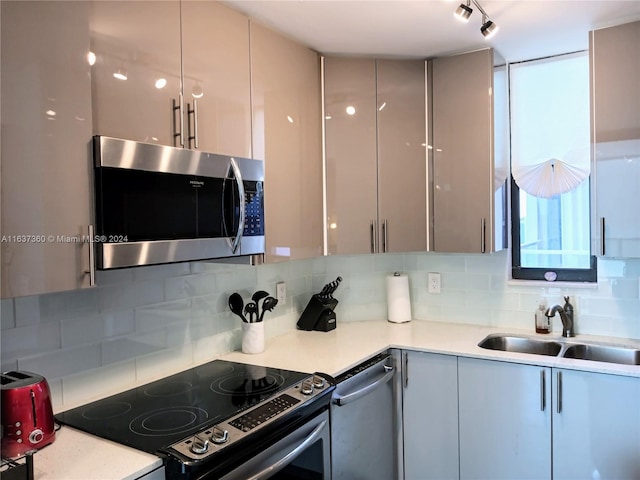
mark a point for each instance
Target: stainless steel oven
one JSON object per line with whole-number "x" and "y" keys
{"x": 222, "y": 420}
{"x": 303, "y": 454}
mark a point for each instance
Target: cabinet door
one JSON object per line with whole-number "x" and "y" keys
{"x": 505, "y": 420}
{"x": 287, "y": 135}
{"x": 596, "y": 426}
{"x": 351, "y": 171}
{"x": 430, "y": 417}
{"x": 615, "y": 104}
{"x": 402, "y": 162}
{"x": 140, "y": 40}
{"x": 215, "y": 49}
{"x": 462, "y": 183}
{"x": 46, "y": 137}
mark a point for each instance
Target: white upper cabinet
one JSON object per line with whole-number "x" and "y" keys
{"x": 287, "y": 135}
{"x": 469, "y": 167}
{"x": 172, "y": 73}
{"x": 375, "y": 155}
{"x": 216, "y": 79}
{"x": 615, "y": 136}
{"x": 46, "y": 138}
{"x": 137, "y": 70}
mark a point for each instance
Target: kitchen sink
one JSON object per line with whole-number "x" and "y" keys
{"x": 511, "y": 343}
{"x": 620, "y": 354}
{"x": 603, "y": 353}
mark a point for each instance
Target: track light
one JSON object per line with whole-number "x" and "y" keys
{"x": 488, "y": 28}
{"x": 464, "y": 11}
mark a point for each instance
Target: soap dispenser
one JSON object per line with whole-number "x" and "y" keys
{"x": 543, "y": 323}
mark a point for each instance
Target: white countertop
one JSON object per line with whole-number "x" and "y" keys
{"x": 340, "y": 349}
{"x": 76, "y": 455}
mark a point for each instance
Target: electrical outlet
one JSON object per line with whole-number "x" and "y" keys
{"x": 434, "y": 283}
{"x": 281, "y": 293}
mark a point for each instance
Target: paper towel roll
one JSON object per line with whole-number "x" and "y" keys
{"x": 398, "y": 299}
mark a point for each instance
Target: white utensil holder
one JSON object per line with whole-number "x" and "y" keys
{"x": 253, "y": 337}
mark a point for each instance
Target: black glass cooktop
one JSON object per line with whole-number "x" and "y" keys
{"x": 160, "y": 413}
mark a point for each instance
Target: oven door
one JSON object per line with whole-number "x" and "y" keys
{"x": 302, "y": 454}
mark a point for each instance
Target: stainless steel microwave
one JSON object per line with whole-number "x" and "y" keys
{"x": 158, "y": 204}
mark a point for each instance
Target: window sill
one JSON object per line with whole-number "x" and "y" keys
{"x": 542, "y": 283}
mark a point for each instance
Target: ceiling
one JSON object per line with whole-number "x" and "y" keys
{"x": 426, "y": 28}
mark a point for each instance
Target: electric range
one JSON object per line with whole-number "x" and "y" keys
{"x": 207, "y": 420}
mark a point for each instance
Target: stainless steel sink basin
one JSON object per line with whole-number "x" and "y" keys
{"x": 512, "y": 343}
{"x": 603, "y": 353}
{"x": 624, "y": 355}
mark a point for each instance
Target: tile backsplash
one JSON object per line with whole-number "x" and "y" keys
{"x": 144, "y": 323}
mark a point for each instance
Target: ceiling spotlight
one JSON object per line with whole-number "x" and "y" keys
{"x": 161, "y": 83}
{"x": 463, "y": 12}
{"x": 488, "y": 28}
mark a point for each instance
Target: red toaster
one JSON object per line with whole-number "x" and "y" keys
{"x": 27, "y": 413}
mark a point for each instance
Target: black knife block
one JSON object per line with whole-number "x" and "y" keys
{"x": 318, "y": 314}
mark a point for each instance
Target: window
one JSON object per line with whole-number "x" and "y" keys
{"x": 550, "y": 164}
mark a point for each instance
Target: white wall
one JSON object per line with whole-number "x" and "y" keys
{"x": 144, "y": 323}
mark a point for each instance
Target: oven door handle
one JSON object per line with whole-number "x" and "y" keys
{"x": 293, "y": 451}
{"x": 341, "y": 400}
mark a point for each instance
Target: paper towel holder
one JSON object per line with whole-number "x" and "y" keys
{"x": 398, "y": 309}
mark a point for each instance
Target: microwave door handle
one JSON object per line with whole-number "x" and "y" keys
{"x": 238, "y": 178}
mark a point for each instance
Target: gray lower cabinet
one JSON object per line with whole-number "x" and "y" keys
{"x": 505, "y": 420}
{"x": 525, "y": 421}
{"x": 596, "y": 426}
{"x": 430, "y": 416}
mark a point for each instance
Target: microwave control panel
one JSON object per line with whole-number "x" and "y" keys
{"x": 254, "y": 209}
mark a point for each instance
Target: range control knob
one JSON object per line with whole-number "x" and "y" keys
{"x": 318, "y": 382}
{"x": 200, "y": 445}
{"x": 307, "y": 387}
{"x": 219, "y": 435}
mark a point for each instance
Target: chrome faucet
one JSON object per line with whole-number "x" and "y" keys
{"x": 566, "y": 315}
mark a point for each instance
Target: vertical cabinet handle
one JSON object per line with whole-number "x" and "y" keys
{"x": 385, "y": 228}
{"x": 192, "y": 135}
{"x": 406, "y": 369}
{"x": 373, "y": 237}
{"x": 602, "y": 242}
{"x": 543, "y": 390}
{"x": 92, "y": 263}
{"x": 195, "y": 123}
{"x": 179, "y": 106}
{"x": 483, "y": 234}
{"x": 559, "y": 394}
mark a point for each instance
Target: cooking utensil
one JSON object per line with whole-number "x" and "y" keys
{"x": 256, "y": 297}
{"x": 259, "y": 295}
{"x": 236, "y": 305}
{"x": 251, "y": 309}
{"x": 268, "y": 305}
